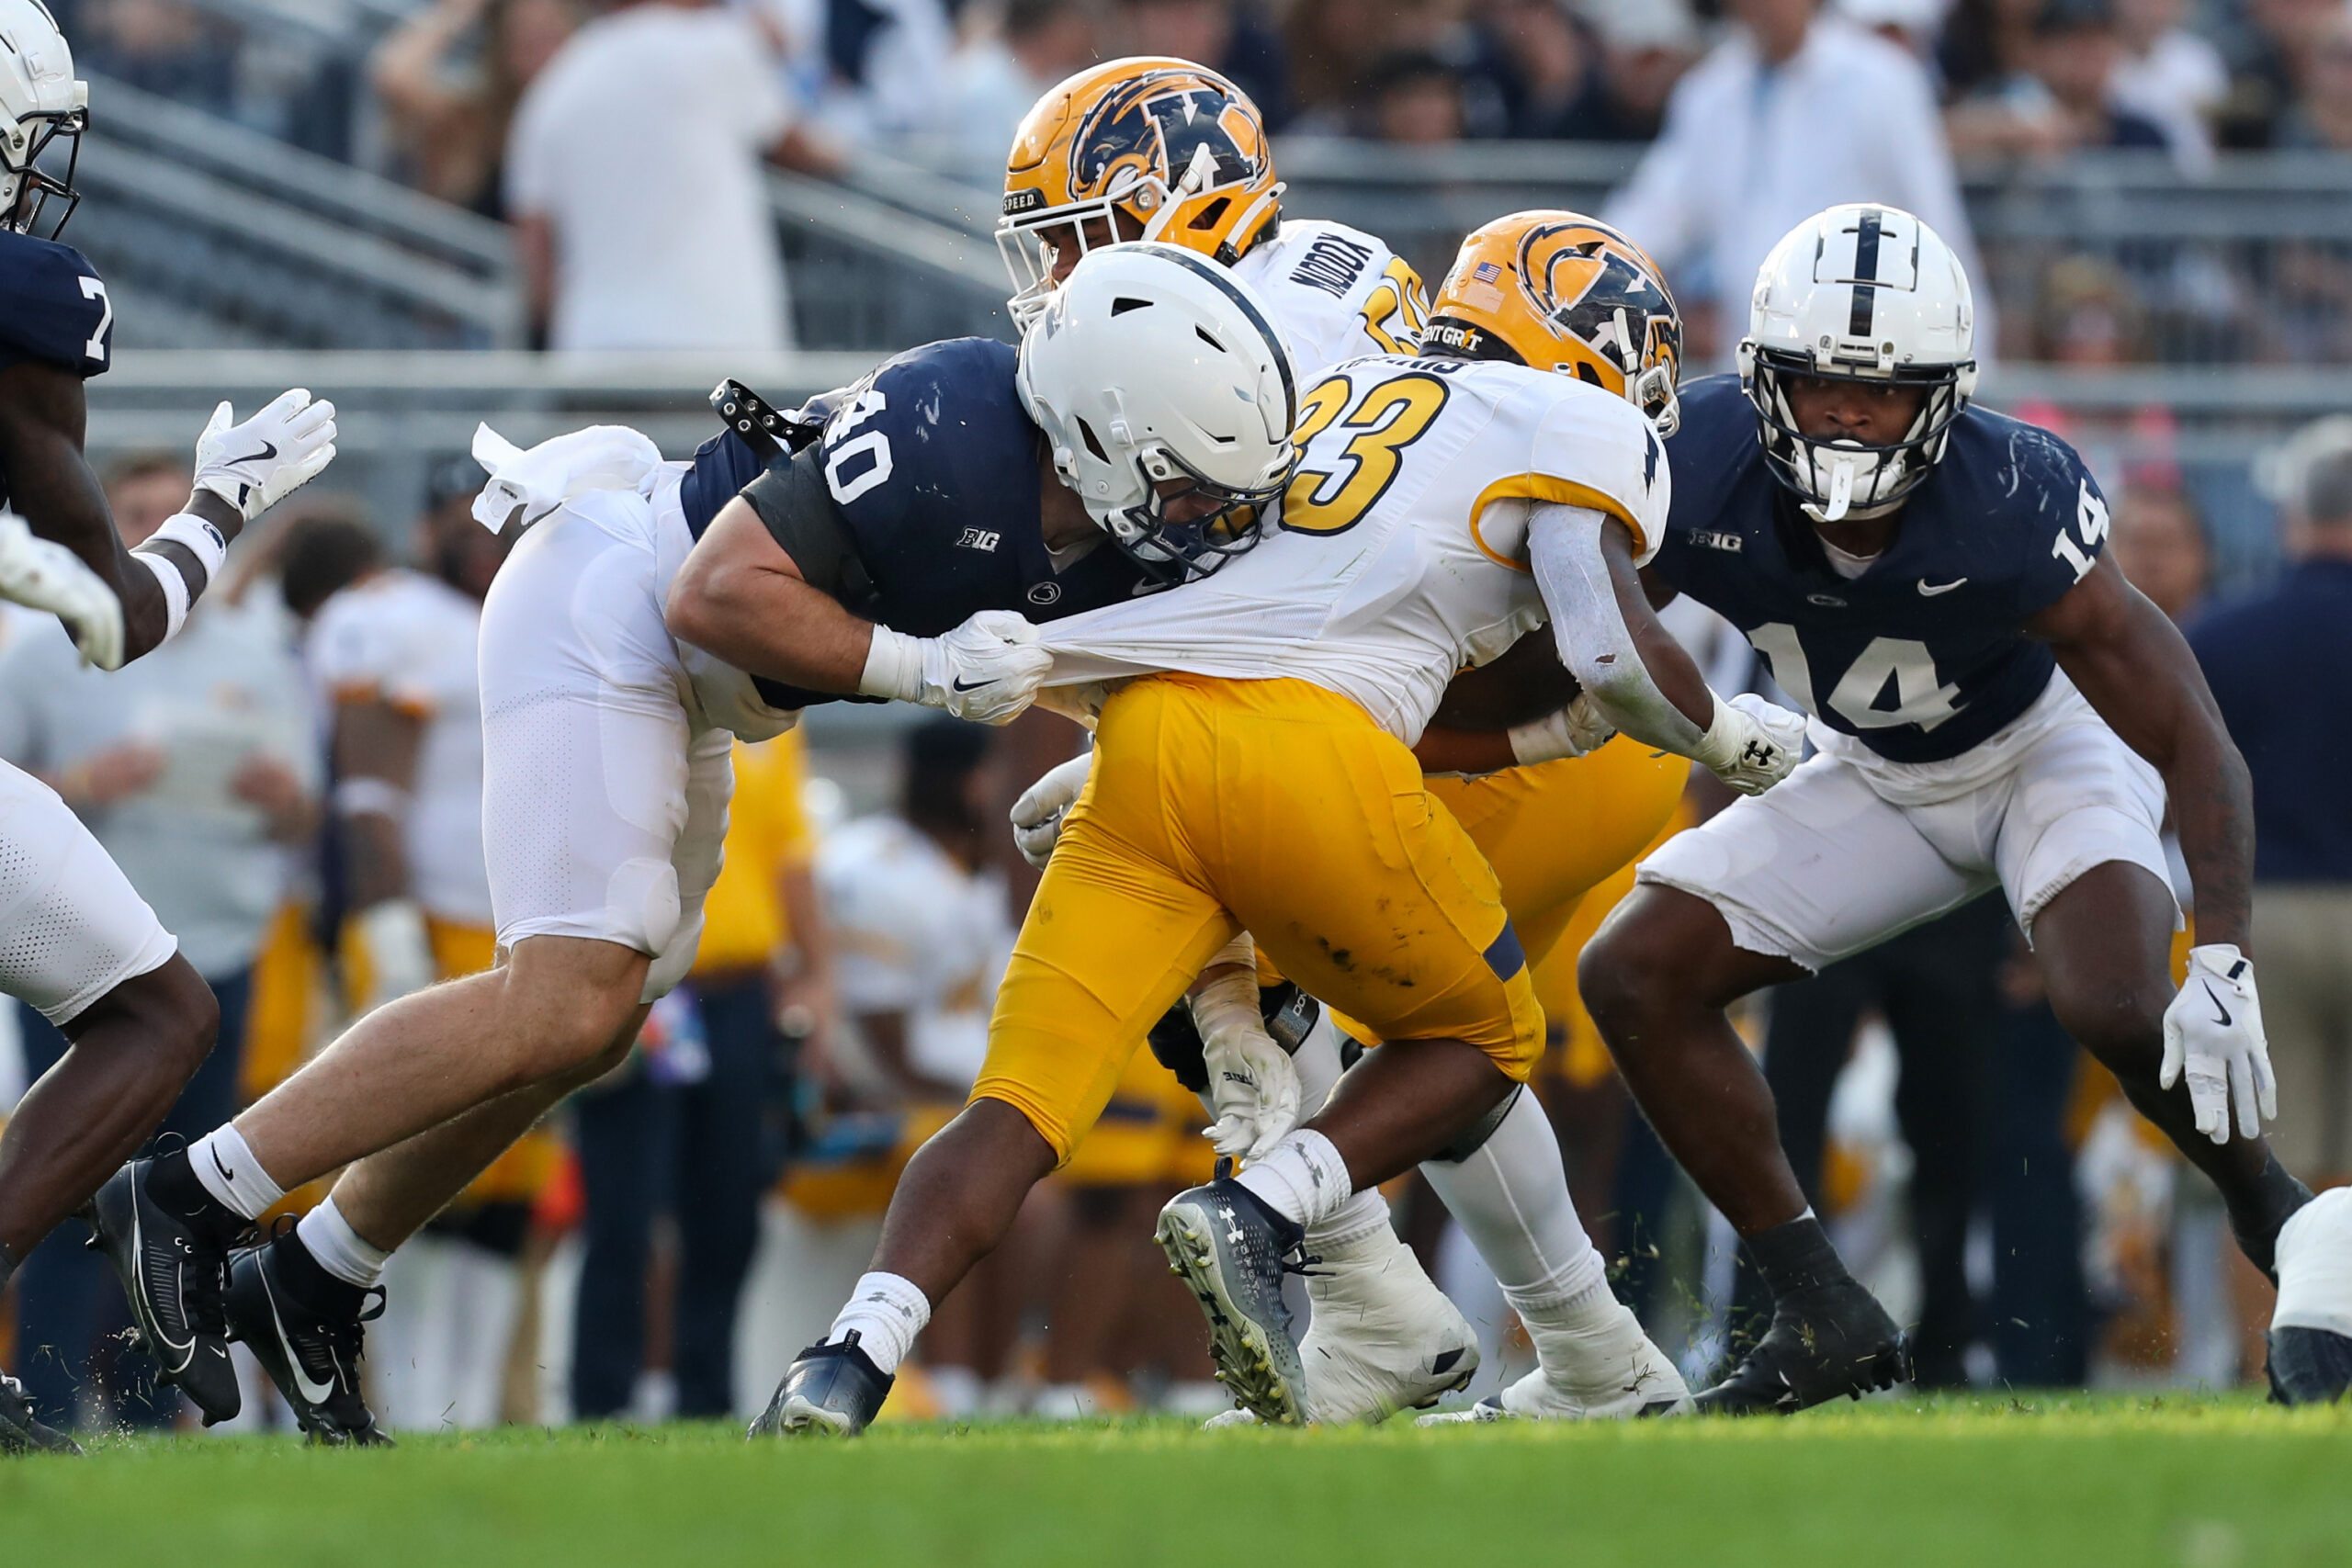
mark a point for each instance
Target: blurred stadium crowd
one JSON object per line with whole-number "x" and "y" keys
{"x": 665, "y": 1245}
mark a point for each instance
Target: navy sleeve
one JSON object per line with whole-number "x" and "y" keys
{"x": 53, "y": 307}
{"x": 2053, "y": 510}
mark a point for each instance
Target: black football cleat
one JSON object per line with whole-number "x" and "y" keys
{"x": 2309, "y": 1366}
{"x": 1225, "y": 1243}
{"x": 173, "y": 1257}
{"x": 20, "y": 1433}
{"x": 1826, "y": 1341}
{"x": 306, "y": 1328}
{"x": 830, "y": 1390}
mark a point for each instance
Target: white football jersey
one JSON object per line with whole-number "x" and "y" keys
{"x": 1337, "y": 293}
{"x": 408, "y": 640}
{"x": 1400, "y": 558}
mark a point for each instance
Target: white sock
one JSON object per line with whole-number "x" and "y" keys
{"x": 1511, "y": 1199}
{"x": 340, "y": 1250}
{"x": 230, "y": 1172}
{"x": 1364, "y": 1214}
{"x": 886, "y": 1311}
{"x": 1302, "y": 1177}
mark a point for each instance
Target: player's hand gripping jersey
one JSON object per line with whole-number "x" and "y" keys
{"x": 1400, "y": 557}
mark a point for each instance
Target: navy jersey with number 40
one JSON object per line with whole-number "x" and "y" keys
{"x": 933, "y": 462}
{"x": 1922, "y": 656}
{"x": 54, "y": 310}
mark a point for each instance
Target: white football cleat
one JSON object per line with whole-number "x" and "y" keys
{"x": 1615, "y": 1374}
{"x": 1383, "y": 1337}
{"x": 2311, "y": 1332}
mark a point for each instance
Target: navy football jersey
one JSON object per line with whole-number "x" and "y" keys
{"x": 1923, "y": 656}
{"x": 928, "y": 471}
{"x": 53, "y": 306}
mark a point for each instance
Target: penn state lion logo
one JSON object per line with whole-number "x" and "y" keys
{"x": 1581, "y": 275}
{"x": 1172, "y": 114}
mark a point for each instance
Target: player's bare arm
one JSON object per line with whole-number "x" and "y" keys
{"x": 2136, "y": 668}
{"x": 740, "y": 597}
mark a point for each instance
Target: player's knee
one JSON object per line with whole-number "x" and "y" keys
{"x": 174, "y": 1012}
{"x": 2121, "y": 1021}
{"x": 1625, "y": 980}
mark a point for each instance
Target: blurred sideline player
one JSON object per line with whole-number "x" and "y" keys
{"x": 767, "y": 954}
{"x": 81, "y": 946}
{"x": 394, "y": 653}
{"x": 1170, "y": 150}
{"x": 1995, "y": 706}
{"x": 922, "y": 935}
{"x": 1333, "y": 856}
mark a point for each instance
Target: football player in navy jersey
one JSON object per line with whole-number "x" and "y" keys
{"x": 78, "y": 943}
{"x": 1995, "y": 706}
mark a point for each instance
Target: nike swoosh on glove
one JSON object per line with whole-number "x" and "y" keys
{"x": 1038, "y": 814}
{"x": 255, "y": 464}
{"x": 2214, "y": 1037}
{"x": 988, "y": 670}
{"x": 45, "y": 575}
{"x": 1751, "y": 744}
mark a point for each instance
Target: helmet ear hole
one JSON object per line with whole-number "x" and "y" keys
{"x": 1093, "y": 443}
{"x": 1210, "y": 215}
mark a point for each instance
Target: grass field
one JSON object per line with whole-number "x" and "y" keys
{"x": 2199, "y": 1482}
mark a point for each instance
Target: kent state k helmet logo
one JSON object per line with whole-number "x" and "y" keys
{"x": 1156, "y": 125}
{"x": 1582, "y": 275}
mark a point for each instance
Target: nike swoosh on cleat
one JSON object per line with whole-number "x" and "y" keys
{"x": 1928, "y": 591}
{"x": 268, "y": 450}
{"x": 186, "y": 1352}
{"x": 316, "y": 1393}
{"x": 2224, "y": 1020}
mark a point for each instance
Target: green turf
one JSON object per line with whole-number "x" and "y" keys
{"x": 2199, "y": 1482}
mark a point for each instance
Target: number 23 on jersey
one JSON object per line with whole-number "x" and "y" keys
{"x": 1370, "y": 427}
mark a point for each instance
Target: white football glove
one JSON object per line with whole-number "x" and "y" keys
{"x": 989, "y": 669}
{"x": 1253, "y": 1084}
{"x": 2213, "y": 1033}
{"x": 1576, "y": 730}
{"x": 45, "y": 575}
{"x": 255, "y": 464}
{"x": 1038, "y": 814}
{"x": 1752, "y": 744}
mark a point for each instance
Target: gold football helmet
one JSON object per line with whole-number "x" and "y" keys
{"x": 1561, "y": 292}
{"x": 1135, "y": 149}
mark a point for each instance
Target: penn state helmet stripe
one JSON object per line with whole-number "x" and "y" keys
{"x": 1865, "y": 307}
{"x": 1232, "y": 290}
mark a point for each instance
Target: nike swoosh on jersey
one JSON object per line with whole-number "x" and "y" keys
{"x": 1928, "y": 589}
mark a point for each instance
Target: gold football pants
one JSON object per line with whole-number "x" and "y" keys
{"x": 1273, "y": 806}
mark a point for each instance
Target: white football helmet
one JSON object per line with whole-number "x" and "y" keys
{"x": 41, "y": 105}
{"x": 1862, "y": 293}
{"x": 1150, "y": 364}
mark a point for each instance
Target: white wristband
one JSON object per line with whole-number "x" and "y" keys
{"x": 1719, "y": 746}
{"x": 196, "y": 536}
{"x": 893, "y": 667}
{"x": 364, "y": 797}
{"x": 175, "y": 595}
